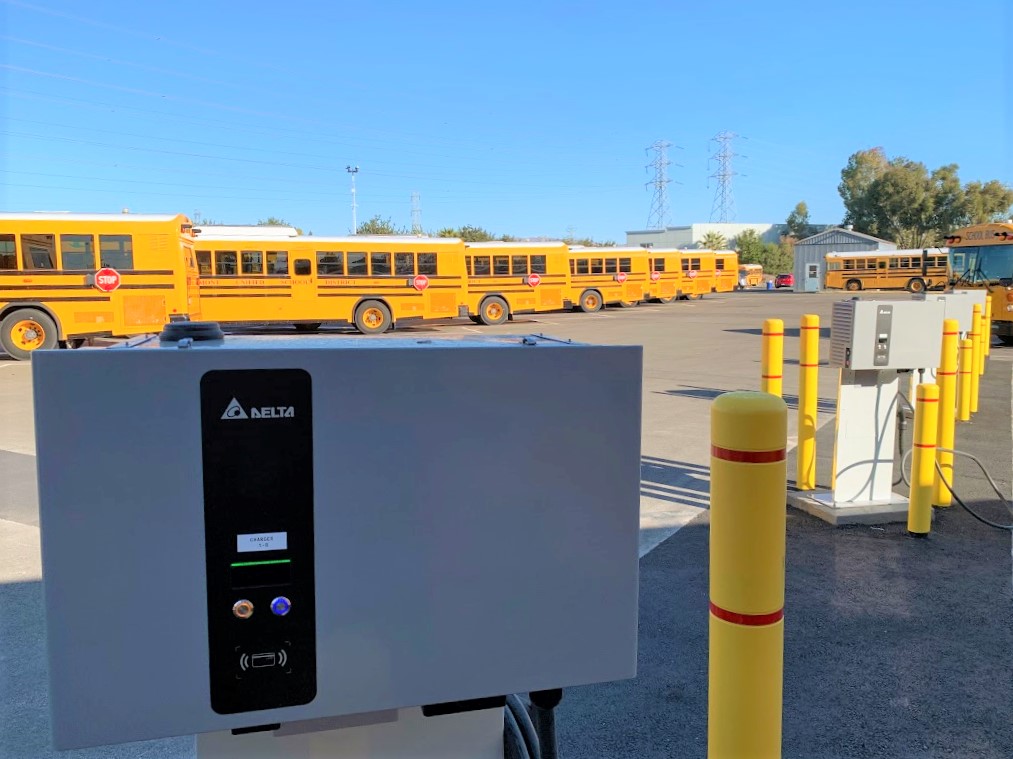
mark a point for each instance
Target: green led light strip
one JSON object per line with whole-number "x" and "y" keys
{"x": 260, "y": 563}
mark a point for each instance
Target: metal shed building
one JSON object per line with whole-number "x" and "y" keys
{"x": 810, "y": 254}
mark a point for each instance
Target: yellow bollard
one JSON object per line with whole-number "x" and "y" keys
{"x": 923, "y": 461}
{"x": 975, "y": 335}
{"x": 964, "y": 380}
{"x": 986, "y": 333}
{"x": 772, "y": 361}
{"x": 946, "y": 377}
{"x": 808, "y": 397}
{"x": 747, "y": 543}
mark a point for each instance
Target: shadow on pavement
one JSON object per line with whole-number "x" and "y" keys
{"x": 675, "y": 481}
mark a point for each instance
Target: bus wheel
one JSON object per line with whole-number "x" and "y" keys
{"x": 26, "y": 330}
{"x": 628, "y": 303}
{"x": 666, "y": 300}
{"x": 916, "y": 285}
{"x": 694, "y": 296}
{"x": 853, "y": 284}
{"x": 307, "y": 327}
{"x": 372, "y": 318}
{"x": 590, "y": 301}
{"x": 493, "y": 311}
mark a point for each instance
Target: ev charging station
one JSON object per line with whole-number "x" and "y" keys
{"x": 959, "y": 305}
{"x": 872, "y": 342}
{"x": 287, "y": 537}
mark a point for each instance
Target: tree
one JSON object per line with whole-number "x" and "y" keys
{"x": 987, "y": 202}
{"x": 864, "y": 168}
{"x": 589, "y": 242}
{"x": 798, "y": 221}
{"x": 749, "y": 246}
{"x": 378, "y": 226}
{"x": 713, "y": 240}
{"x": 474, "y": 234}
{"x": 446, "y": 232}
{"x": 899, "y": 199}
{"x": 274, "y": 221}
{"x": 771, "y": 256}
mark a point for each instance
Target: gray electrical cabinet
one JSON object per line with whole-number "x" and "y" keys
{"x": 252, "y": 531}
{"x": 958, "y": 305}
{"x": 886, "y": 334}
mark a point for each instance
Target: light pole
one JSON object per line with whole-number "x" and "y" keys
{"x": 353, "y": 170}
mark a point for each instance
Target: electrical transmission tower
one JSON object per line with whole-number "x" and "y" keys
{"x": 416, "y": 213}
{"x": 724, "y": 202}
{"x": 658, "y": 217}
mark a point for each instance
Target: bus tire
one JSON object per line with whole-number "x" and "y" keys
{"x": 308, "y": 326}
{"x": 372, "y": 317}
{"x": 694, "y": 296}
{"x": 666, "y": 300}
{"x": 494, "y": 310}
{"x": 27, "y": 330}
{"x": 853, "y": 285}
{"x": 915, "y": 285}
{"x": 590, "y": 301}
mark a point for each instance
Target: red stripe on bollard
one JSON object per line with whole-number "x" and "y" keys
{"x": 747, "y": 457}
{"x": 750, "y": 620}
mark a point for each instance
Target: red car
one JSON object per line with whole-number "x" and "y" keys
{"x": 784, "y": 280}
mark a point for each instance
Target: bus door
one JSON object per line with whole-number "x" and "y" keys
{"x": 192, "y": 282}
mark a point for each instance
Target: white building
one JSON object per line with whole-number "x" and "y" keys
{"x": 691, "y": 235}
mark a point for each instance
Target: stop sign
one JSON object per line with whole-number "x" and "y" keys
{"x": 107, "y": 279}
{"x": 420, "y": 282}
{"x": 533, "y": 280}
{"x": 655, "y": 276}
{"x": 621, "y": 277}
{"x": 692, "y": 273}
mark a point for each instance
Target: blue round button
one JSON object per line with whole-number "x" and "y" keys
{"x": 280, "y": 606}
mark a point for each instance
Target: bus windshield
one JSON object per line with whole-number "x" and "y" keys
{"x": 988, "y": 263}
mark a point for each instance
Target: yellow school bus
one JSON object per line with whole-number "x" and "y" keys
{"x": 913, "y": 270}
{"x": 750, "y": 275}
{"x": 371, "y": 282}
{"x": 606, "y": 276}
{"x": 686, "y": 274}
{"x": 65, "y": 278}
{"x": 982, "y": 257}
{"x": 507, "y": 278}
{"x": 726, "y": 267}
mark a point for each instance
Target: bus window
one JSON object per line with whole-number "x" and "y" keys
{"x": 719, "y": 264}
{"x": 597, "y": 266}
{"x": 225, "y": 263}
{"x": 8, "y": 258}
{"x": 611, "y": 265}
{"x": 467, "y": 264}
{"x": 626, "y": 265}
{"x": 482, "y": 264}
{"x": 116, "y": 251}
{"x": 38, "y": 251}
{"x": 77, "y": 251}
{"x": 685, "y": 264}
{"x": 404, "y": 263}
{"x": 500, "y": 265}
{"x": 695, "y": 263}
{"x": 277, "y": 262}
{"x": 427, "y": 264}
{"x": 303, "y": 267}
{"x": 330, "y": 263}
{"x": 518, "y": 264}
{"x": 881, "y": 265}
{"x": 894, "y": 263}
{"x": 204, "y": 261}
{"x": 659, "y": 264}
{"x": 572, "y": 268}
{"x": 538, "y": 264}
{"x": 379, "y": 263}
{"x": 252, "y": 262}
{"x": 357, "y": 264}
{"x": 582, "y": 266}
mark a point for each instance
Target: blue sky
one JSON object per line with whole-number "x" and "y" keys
{"x": 524, "y": 118}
